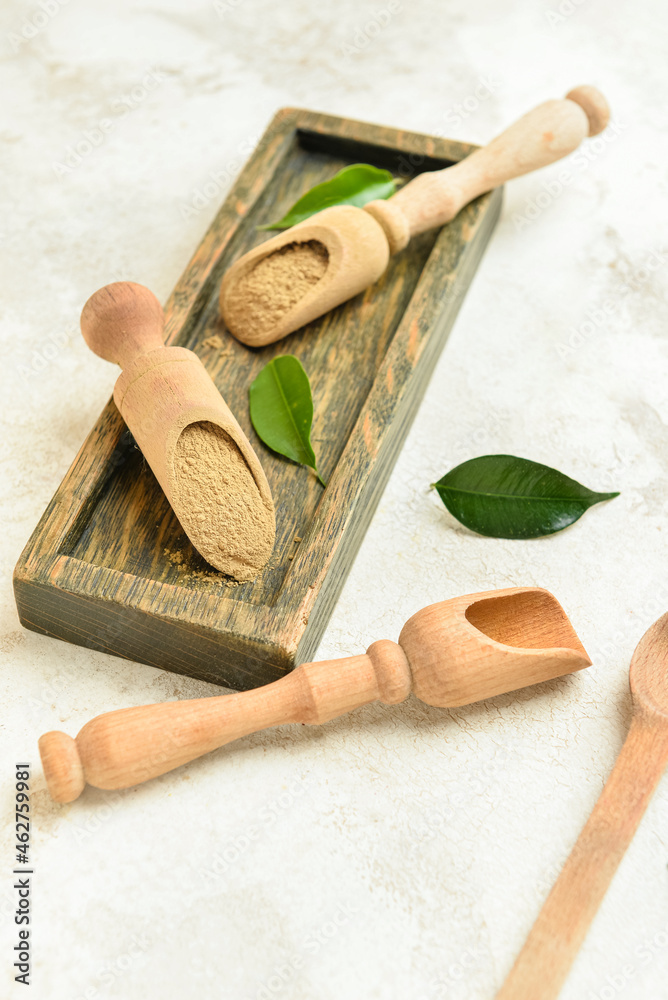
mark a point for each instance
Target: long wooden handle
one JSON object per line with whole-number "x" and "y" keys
{"x": 446, "y": 654}
{"x": 561, "y": 927}
{"x": 123, "y": 748}
{"x": 546, "y": 134}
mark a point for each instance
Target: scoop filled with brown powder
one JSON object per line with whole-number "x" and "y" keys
{"x": 220, "y": 503}
{"x": 270, "y": 289}
{"x": 284, "y": 284}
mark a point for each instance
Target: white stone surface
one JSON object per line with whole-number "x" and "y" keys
{"x": 431, "y": 836}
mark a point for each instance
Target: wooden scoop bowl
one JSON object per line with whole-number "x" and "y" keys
{"x": 161, "y": 391}
{"x": 452, "y": 653}
{"x": 544, "y": 963}
{"x": 359, "y": 241}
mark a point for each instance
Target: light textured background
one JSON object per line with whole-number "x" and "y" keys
{"x": 400, "y": 852}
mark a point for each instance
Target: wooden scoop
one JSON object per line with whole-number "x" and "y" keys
{"x": 359, "y": 242}
{"x": 544, "y": 963}
{"x": 452, "y": 653}
{"x": 162, "y": 393}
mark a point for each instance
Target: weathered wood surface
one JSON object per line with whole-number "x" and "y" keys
{"x": 109, "y": 566}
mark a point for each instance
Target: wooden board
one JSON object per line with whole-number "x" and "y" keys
{"x": 108, "y": 565}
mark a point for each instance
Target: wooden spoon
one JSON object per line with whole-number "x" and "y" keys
{"x": 561, "y": 927}
{"x": 452, "y": 653}
{"x": 358, "y": 242}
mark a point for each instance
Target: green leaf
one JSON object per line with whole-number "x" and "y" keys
{"x": 281, "y": 409}
{"x": 354, "y": 185}
{"x": 507, "y": 497}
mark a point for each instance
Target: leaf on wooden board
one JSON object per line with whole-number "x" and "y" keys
{"x": 357, "y": 184}
{"x": 281, "y": 409}
{"x": 503, "y": 496}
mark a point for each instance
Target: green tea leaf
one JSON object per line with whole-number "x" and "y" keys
{"x": 281, "y": 409}
{"x": 507, "y": 497}
{"x": 357, "y": 184}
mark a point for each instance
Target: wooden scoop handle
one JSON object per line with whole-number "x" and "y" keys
{"x": 126, "y": 747}
{"x": 451, "y": 653}
{"x": 546, "y": 134}
{"x": 122, "y": 321}
{"x": 555, "y": 939}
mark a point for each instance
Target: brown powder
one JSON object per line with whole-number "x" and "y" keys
{"x": 186, "y": 575}
{"x": 215, "y": 342}
{"x": 259, "y": 299}
{"x": 220, "y": 506}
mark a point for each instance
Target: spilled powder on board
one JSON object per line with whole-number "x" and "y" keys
{"x": 179, "y": 560}
{"x": 222, "y": 510}
{"x": 262, "y": 296}
{"x": 215, "y": 342}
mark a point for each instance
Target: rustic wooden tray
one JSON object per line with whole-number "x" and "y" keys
{"x": 108, "y": 565}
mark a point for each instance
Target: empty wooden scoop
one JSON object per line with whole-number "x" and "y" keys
{"x": 189, "y": 437}
{"x": 351, "y": 247}
{"x": 561, "y": 927}
{"x": 452, "y": 653}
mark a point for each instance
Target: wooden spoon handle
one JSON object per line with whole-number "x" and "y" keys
{"x": 544, "y": 135}
{"x": 555, "y": 939}
{"x": 131, "y": 745}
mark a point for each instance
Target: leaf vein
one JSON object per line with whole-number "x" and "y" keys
{"x": 289, "y": 409}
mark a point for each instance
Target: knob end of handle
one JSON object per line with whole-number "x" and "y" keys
{"x": 62, "y": 765}
{"x": 594, "y": 105}
{"x": 122, "y": 321}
